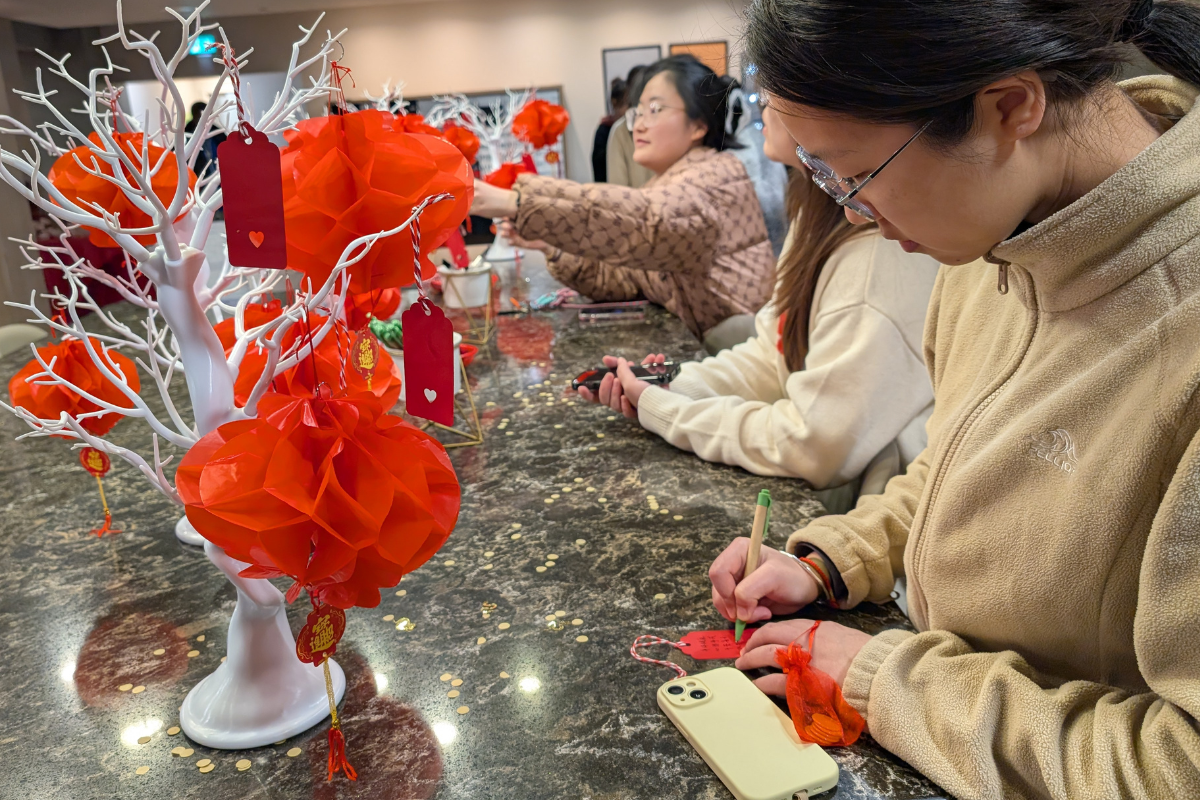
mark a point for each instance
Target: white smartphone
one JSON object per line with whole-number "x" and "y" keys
{"x": 745, "y": 738}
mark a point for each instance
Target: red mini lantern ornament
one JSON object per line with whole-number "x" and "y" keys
{"x": 540, "y": 123}
{"x": 81, "y": 187}
{"x": 334, "y": 494}
{"x": 96, "y": 462}
{"x": 350, "y": 175}
{"x": 325, "y": 365}
{"x": 315, "y": 645}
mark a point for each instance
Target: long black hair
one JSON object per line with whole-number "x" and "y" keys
{"x": 913, "y": 61}
{"x": 706, "y": 97}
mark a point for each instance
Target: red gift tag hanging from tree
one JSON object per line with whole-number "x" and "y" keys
{"x": 428, "y": 362}
{"x": 251, "y": 189}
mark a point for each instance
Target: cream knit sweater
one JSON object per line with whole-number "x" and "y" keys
{"x": 864, "y": 382}
{"x": 1050, "y": 532}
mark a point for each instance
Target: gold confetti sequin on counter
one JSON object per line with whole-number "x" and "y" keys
{"x": 160, "y": 651}
{"x": 453, "y": 693}
{"x": 171, "y": 731}
{"x": 244, "y": 764}
{"x": 480, "y": 640}
{"x": 576, "y": 622}
{"x": 401, "y": 593}
{"x": 207, "y": 768}
{"x": 503, "y": 626}
{"x": 462, "y": 709}
{"x": 660, "y": 596}
{"x": 204, "y": 762}
{"x": 405, "y": 624}
{"x": 193, "y": 653}
{"x": 445, "y": 676}
{"x": 143, "y": 740}
{"x": 138, "y": 689}
{"x": 456, "y": 682}
{"x": 505, "y": 675}
{"x": 295, "y": 751}
{"x": 389, "y": 617}
{"x": 124, "y": 687}
{"x": 200, "y": 638}
{"x": 142, "y": 770}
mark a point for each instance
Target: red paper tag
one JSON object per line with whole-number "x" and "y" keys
{"x": 527, "y": 161}
{"x": 252, "y": 193}
{"x": 706, "y": 645}
{"x": 458, "y": 249}
{"x": 320, "y": 635}
{"x": 428, "y": 362}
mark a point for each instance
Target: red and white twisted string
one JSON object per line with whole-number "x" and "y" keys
{"x": 647, "y": 640}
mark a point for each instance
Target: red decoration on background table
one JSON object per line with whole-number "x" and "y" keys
{"x": 98, "y": 464}
{"x": 375, "y": 304}
{"x": 466, "y": 142}
{"x": 315, "y": 645}
{"x": 325, "y": 366}
{"x": 506, "y": 175}
{"x": 78, "y": 186}
{"x": 429, "y": 362}
{"x": 346, "y": 176}
{"x": 252, "y": 191}
{"x": 415, "y": 123}
{"x": 819, "y": 712}
{"x": 528, "y": 163}
{"x": 458, "y": 250}
{"x": 334, "y": 494}
{"x": 70, "y": 360}
{"x": 540, "y": 123}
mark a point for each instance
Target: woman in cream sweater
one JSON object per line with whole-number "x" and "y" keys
{"x": 834, "y": 379}
{"x": 1050, "y": 531}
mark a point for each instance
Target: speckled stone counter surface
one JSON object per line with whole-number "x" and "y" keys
{"x": 539, "y": 713}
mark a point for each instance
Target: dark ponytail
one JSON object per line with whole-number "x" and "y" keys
{"x": 706, "y": 97}
{"x": 913, "y": 61}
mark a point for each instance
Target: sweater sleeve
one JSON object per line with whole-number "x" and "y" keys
{"x": 748, "y": 370}
{"x": 601, "y": 282}
{"x": 668, "y": 227}
{"x": 987, "y": 725}
{"x": 861, "y": 386}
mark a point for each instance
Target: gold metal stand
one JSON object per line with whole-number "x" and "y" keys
{"x": 473, "y": 435}
{"x": 479, "y": 330}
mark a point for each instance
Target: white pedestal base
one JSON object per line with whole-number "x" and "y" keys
{"x": 501, "y": 249}
{"x": 187, "y": 534}
{"x": 262, "y": 693}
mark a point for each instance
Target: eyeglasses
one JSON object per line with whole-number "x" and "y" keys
{"x": 652, "y": 114}
{"x": 843, "y": 190}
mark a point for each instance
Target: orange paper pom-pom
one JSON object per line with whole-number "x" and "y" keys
{"x": 540, "y": 123}
{"x": 415, "y": 123}
{"x": 346, "y": 176}
{"x": 506, "y": 175}
{"x": 331, "y": 358}
{"x": 72, "y": 362}
{"x": 334, "y": 494}
{"x": 466, "y": 142}
{"x": 375, "y": 304}
{"x": 77, "y": 185}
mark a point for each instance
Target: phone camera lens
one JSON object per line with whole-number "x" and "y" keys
{"x": 698, "y": 694}
{"x": 674, "y": 690}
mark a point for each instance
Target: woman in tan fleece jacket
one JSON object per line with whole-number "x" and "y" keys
{"x": 693, "y": 239}
{"x": 1050, "y": 532}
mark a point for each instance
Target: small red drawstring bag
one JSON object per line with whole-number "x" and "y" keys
{"x": 819, "y": 712}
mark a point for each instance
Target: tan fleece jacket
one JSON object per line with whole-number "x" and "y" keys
{"x": 692, "y": 240}
{"x": 864, "y": 382}
{"x": 1050, "y": 532}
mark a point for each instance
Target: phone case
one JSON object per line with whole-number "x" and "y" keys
{"x": 746, "y": 739}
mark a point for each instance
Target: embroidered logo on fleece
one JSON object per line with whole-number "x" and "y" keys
{"x": 1057, "y": 448}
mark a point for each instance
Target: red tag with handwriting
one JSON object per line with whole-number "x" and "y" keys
{"x": 706, "y": 645}
{"x": 320, "y": 635}
{"x": 252, "y": 194}
{"x": 458, "y": 250}
{"x": 428, "y": 362}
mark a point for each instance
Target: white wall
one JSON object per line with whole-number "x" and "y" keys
{"x": 477, "y": 45}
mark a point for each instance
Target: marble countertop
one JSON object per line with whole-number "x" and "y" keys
{"x": 81, "y": 617}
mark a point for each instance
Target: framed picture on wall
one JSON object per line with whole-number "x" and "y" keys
{"x": 619, "y": 60}
{"x": 713, "y": 54}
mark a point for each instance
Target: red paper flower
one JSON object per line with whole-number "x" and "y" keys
{"x": 375, "y": 304}
{"x": 75, "y": 365}
{"x": 466, "y": 142}
{"x": 350, "y": 175}
{"x": 71, "y": 179}
{"x": 415, "y": 123}
{"x": 334, "y": 494}
{"x": 540, "y": 123}
{"x": 506, "y": 175}
{"x": 330, "y": 356}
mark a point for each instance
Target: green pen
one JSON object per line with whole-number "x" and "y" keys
{"x": 762, "y": 518}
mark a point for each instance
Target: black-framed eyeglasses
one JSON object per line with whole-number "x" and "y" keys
{"x": 843, "y": 190}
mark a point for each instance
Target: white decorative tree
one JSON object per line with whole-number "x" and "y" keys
{"x": 262, "y": 692}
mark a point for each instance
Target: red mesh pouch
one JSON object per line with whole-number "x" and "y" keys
{"x": 819, "y": 712}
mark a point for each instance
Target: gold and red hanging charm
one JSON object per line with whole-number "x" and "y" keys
{"x": 364, "y": 355}
{"x": 318, "y": 641}
{"x": 97, "y": 463}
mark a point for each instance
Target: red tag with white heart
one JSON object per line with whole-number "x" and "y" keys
{"x": 252, "y": 194}
{"x": 428, "y": 362}
{"x": 707, "y": 645}
{"x": 458, "y": 250}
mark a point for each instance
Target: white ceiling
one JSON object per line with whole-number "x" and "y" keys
{"x": 85, "y": 13}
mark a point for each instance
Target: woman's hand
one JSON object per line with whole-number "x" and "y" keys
{"x": 492, "y": 201}
{"x": 622, "y": 391}
{"x": 834, "y": 649}
{"x": 509, "y": 231}
{"x": 779, "y": 585}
